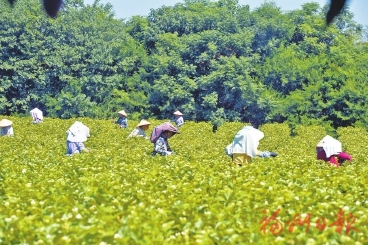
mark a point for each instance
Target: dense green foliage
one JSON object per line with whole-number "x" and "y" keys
{"x": 120, "y": 194}
{"x": 214, "y": 60}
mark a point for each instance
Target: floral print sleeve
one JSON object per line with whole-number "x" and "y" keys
{"x": 161, "y": 146}
{"x": 179, "y": 121}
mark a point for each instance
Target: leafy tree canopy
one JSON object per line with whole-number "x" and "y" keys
{"x": 214, "y": 60}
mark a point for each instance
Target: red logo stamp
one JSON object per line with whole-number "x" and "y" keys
{"x": 276, "y": 226}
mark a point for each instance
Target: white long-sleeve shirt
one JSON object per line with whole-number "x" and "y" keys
{"x": 138, "y": 132}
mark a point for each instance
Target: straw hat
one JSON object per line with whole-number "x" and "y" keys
{"x": 143, "y": 122}
{"x": 122, "y": 112}
{"x": 5, "y": 122}
{"x": 178, "y": 113}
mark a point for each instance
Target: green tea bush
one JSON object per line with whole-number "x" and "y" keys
{"x": 120, "y": 194}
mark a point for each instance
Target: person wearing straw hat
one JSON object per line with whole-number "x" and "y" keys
{"x": 161, "y": 144}
{"x": 122, "y": 121}
{"x": 179, "y": 120}
{"x": 76, "y": 136}
{"x": 330, "y": 150}
{"x": 140, "y": 129}
{"x": 6, "y": 127}
{"x": 36, "y": 115}
{"x": 245, "y": 146}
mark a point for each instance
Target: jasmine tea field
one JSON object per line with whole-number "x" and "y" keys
{"x": 120, "y": 194}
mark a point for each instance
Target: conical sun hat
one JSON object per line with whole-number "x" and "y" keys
{"x": 122, "y": 112}
{"x": 328, "y": 140}
{"x": 143, "y": 122}
{"x": 5, "y": 122}
{"x": 178, "y": 113}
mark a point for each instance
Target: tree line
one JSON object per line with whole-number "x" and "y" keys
{"x": 213, "y": 60}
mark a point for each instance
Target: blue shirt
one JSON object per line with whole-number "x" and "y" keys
{"x": 122, "y": 121}
{"x": 73, "y": 147}
{"x": 179, "y": 121}
{"x": 7, "y": 131}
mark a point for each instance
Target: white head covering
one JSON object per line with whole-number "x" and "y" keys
{"x": 36, "y": 114}
{"x": 5, "y": 123}
{"x": 78, "y": 132}
{"x": 330, "y": 145}
{"x": 122, "y": 112}
{"x": 246, "y": 141}
{"x": 178, "y": 113}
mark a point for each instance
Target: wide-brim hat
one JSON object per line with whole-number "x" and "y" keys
{"x": 79, "y": 136}
{"x": 143, "y": 122}
{"x": 77, "y": 132}
{"x": 38, "y": 113}
{"x": 320, "y": 144}
{"x": 254, "y": 133}
{"x": 122, "y": 112}
{"x": 328, "y": 140}
{"x": 169, "y": 127}
{"x": 175, "y": 132}
{"x": 178, "y": 113}
{"x": 5, "y": 123}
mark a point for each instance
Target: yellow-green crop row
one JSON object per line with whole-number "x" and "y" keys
{"x": 120, "y": 194}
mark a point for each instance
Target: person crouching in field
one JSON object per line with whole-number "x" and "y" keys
{"x": 160, "y": 136}
{"x": 6, "y": 127}
{"x": 140, "y": 129}
{"x": 76, "y": 135}
{"x": 330, "y": 150}
{"x": 122, "y": 121}
{"x": 36, "y": 115}
{"x": 245, "y": 146}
